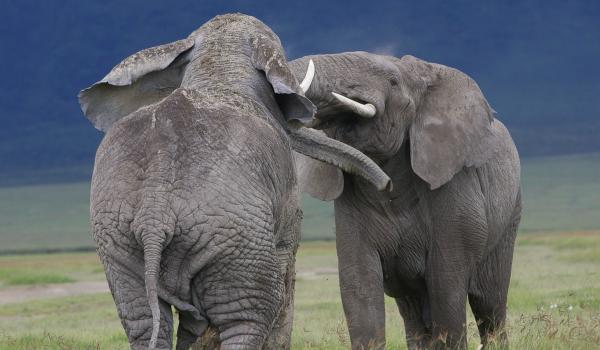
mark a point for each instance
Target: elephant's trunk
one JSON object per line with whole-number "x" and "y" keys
{"x": 316, "y": 145}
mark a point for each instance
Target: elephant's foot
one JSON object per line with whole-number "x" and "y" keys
{"x": 208, "y": 341}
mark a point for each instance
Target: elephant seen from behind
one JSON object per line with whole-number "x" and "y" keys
{"x": 194, "y": 200}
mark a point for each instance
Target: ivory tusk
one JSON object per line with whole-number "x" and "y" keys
{"x": 310, "y": 74}
{"x": 364, "y": 110}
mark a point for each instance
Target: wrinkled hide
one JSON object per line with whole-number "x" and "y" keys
{"x": 445, "y": 233}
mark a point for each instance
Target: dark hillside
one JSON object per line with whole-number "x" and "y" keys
{"x": 537, "y": 61}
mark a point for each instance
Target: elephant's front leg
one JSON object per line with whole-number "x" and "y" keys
{"x": 361, "y": 286}
{"x": 447, "y": 291}
{"x": 459, "y": 236}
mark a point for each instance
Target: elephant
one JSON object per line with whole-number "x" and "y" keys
{"x": 446, "y": 231}
{"x": 194, "y": 194}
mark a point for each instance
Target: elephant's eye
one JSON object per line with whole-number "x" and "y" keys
{"x": 394, "y": 82}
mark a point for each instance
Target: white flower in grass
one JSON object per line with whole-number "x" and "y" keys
{"x": 553, "y": 306}
{"x": 570, "y": 307}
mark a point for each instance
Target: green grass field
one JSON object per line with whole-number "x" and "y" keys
{"x": 560, "y": 194}
{"x": 554, "y": 300}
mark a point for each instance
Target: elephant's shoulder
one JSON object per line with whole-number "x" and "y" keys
{"x": 200, "y": 119}
{"x": 211, "y": 108}
{"x": 157, "y": 123}
{"x": 181, "y": 111}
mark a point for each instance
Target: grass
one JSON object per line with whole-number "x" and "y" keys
{"x": 82, "y": 322}
{"x": 33, "y": 278}
{"x": 554, "y": 301}
{"x": 560, "y": 193}
{"x": 49, "y": 268}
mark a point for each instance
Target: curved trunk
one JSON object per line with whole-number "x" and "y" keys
{"x": 316, "y": 145}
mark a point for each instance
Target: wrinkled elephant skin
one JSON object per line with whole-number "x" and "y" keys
{"x": 194, "y": 198}
{"x": 446, "y": 231}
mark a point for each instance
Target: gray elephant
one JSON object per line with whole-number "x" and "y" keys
{"x": 446, "y": 231}
{"x": 194, "y": 193}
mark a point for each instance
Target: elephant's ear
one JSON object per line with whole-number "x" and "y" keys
{"x": 267, "y": 56}
{"x": 320, "y": 180}
{"x": 141, "y": 79}
{"x": 453, "y": 125}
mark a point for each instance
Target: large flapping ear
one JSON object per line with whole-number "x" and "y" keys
{"x": 453, "y": 123}
{"x": 320, "y": 180}
{"x": 141, "y": 79}
{"x": 267, "y": 55}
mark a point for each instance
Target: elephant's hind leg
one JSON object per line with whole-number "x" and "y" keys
{"x": 124, "y": 268}
{"x": 240, "y": 315}
{"x": 242, "y": 296}
{"x": 488, "y": 292}
{"x": 129, "y": 293}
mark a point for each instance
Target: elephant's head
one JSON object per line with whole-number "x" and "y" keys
{"x": 378, "y": 103}
{"x": 231, "y": 54}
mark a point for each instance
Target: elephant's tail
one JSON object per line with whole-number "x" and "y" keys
{"x": 153, "y": 245}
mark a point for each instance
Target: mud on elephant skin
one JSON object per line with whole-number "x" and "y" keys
{"x": 446, "y": 231}
{"x": 194, "y": 200}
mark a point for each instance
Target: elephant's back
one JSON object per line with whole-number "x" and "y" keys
{"x": 501, "y": 178}
{"x": 215, "y": 179}
{"x": 507, "y": 151}
{"x": 194, "y": 159}
{"x": 505, "y": 165}
{"x": 195, "y": 142}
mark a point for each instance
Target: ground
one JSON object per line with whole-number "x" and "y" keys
{"x": 554, "y": 300}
